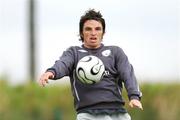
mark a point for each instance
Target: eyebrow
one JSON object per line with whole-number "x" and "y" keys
{"x": 89, "y": 28}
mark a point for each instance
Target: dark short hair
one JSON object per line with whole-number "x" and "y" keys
{"x": 91, "y": 14}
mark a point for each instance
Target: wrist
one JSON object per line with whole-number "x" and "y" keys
{"x": 50, "y": 74}
{"x": 135, "y": 97}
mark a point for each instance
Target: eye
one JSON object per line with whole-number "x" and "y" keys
{"x": 87, "y": 29}
{"x": 98, "y": 28}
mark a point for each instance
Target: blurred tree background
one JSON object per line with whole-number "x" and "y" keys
{"x": 31, "y": 102}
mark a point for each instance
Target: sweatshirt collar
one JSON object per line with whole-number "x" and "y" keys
{"x": 93, "y": 49}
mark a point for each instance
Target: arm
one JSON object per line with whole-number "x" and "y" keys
{"x": 127, "y": 76}
{"x": 62, "y": 67}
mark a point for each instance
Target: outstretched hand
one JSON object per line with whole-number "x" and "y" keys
{"x": 44, "y": 78}
{"x": 135, "y": 103}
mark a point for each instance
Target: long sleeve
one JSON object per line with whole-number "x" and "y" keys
{"x": 126, "y": 73}
{"x": 63, "y": 66}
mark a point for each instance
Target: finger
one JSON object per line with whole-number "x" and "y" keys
{"x": 138, "y": 105}
{"x": 45, "y": 81}
{"x": 135, "y": 103}
{"x": 42, "y": 82}
{"x": 131, "y": 105}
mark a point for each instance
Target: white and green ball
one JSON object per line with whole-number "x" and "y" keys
{"x": 90, "y": 69}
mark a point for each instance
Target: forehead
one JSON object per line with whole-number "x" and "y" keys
{"x": 92, "y": 23}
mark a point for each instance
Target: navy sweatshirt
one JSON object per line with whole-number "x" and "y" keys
{"x": 105, "y": 94}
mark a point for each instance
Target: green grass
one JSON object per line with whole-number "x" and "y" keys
{"x": 31, "y": 102}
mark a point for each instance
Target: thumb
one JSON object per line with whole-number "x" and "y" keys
{"x": 135, "y": 103}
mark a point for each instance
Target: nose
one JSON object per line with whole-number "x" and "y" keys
{"x": 93, "y": 32}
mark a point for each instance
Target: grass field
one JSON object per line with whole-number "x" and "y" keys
{"x": 30, "y": 102}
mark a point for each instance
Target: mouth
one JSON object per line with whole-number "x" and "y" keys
{"x": 93, "y": 38}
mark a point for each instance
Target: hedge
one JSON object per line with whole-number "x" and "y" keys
{"x": 31, "y": 102}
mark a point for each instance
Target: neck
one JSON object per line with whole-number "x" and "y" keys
{"x": 92, "y": 47}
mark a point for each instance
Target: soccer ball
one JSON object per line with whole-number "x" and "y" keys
{"x": 90, "y": 69}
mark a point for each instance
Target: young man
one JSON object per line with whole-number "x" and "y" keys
{"x": 101, "y": 101}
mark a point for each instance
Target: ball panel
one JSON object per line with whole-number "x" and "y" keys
{"x": 90, "y": 69}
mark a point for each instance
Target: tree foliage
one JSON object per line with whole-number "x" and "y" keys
{"x": 31, "y": 102}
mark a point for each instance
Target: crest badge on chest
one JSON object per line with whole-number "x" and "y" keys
{"x": 106, "y": 53}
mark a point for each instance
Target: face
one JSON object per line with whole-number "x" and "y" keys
{"x": 92, "y": 33}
